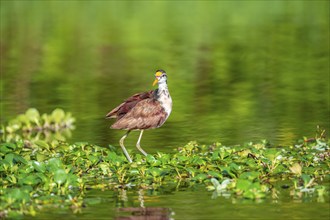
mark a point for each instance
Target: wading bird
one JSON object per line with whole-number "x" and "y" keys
{"x": 142, "y": 111}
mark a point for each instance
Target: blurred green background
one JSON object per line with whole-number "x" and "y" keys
{"x": 238, "y": 70}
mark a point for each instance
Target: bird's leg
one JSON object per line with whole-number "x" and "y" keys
{"x": 121, "y": 142}
{"x": 138, "y": 144}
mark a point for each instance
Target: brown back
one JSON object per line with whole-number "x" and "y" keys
{"x": 146, "y": 114}
{"x": 140, "y": 111}
{"x": 128, "y": 104}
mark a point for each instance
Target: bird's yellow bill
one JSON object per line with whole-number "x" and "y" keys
{"x": 158, "y": 74}
{"x": 155, "y": 82}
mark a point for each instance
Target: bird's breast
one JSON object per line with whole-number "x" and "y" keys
{"x": 166, "y": 102}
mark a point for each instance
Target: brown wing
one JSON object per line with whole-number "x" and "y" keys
{"x": 128, "y": 104}
{"x": 146, "y": 114}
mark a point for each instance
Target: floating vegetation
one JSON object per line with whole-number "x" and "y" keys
{"x": 32, "y": 121}
{"x": 33, "y": 127}
{"x": 56, "y": 173}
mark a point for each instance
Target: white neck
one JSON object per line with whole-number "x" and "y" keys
{"x": 162, "y": 86}
{"x": 164, "y": 97}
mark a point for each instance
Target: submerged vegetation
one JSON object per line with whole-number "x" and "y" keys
{"x": 41, "y": 172}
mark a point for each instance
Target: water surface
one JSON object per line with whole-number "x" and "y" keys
{"x": 193, "y": 203}
{"x": 237, "y": 72}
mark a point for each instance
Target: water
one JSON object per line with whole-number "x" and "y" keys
{"x": 193, "y": 203}
{"x": 238, "y": 71}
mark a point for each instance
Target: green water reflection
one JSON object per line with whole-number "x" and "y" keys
{"x": 193, "y": 203}
{"x": 238, "y": 71}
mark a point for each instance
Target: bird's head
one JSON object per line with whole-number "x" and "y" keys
{"x": 161, "y": 77}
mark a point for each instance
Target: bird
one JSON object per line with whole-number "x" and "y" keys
{"x": 143, "y": 111}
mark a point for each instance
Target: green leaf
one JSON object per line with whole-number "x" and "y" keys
{"x": 54, "y": 164}
{"x": 248, "y": 195}
{"x": 215, "y": 155}
{"x": 112, "y": 156}
{"x": 152, "y": 160}
{"x": 93, "y": 158}
{"x": 72, "y": 179}
{"x": 105, "y": 168}
{"x": 23, "y": 119}
{"x": 223, "y": 153}
{"x": 7, "y": 147}
{"x": 39, "y": 166}
{"x": 155, "y": 171}
{"x": 226, "y": 171}
{"x": 256, "y": 186}
{"x": 215, "y": 174}
{"x": 250, "y": 175}
{"x": 306, "y": 178}
{"x": 18, "y": 158}
{"x": 60, "y": 176}
{"x": 9, "y": 158}
{"x": 41, "y": 157}
{"x": 58, "y": 115}
{"x": 42, "y": 144}
{"x": 198, "y": 160}
{"x": 243, "y": 184}
{"x": 43, "y": 177}
{"x": 272, "y": 153}
{"x": 182, "y": 158}
{"x": 234, "y": 167}
{"x": 33, "y": 115}
{"x": 32, "y": 179}
{"x": 200, "y": 177}
{"x": 13, "y": 126}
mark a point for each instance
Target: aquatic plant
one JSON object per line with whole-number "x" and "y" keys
{"x": 58, "y": 173}
{"x": 33, "y": 127}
